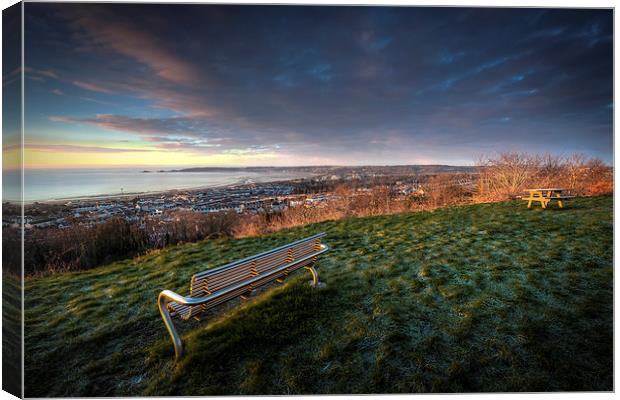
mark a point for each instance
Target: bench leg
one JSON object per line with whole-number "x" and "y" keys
{"x": 529, "y": 204}
{"x": 162, "y": 302}
{"x": 315, "y": 278}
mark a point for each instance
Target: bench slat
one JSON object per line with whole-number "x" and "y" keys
{"x": 298, "y": 253}
{"x": 271, "y": 278}
{"x": 245, "y": 269}
{"x": 215, "y": 284}
{"x": 268, "y": 265}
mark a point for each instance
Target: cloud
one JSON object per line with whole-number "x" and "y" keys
{"x": 406, "y": 79}
{"x": 92, "y": 87}
{"x": 74, "y": 148}
{"x": 128, "y": 39}
{"x": 58, "y": 92}
{"x": 143, "y": 126}
{"x": 165, "y": 133}
{"x": 40, "y": 73}
{"x": 185, "y": 133}
{"x": 90, "y": 99}
{"x": 252, "y": 150}
{"x": 57, "y": 118}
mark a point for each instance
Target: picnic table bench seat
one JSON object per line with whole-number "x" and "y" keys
{"x": 238, "y": 279}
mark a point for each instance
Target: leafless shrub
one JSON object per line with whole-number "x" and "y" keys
{"x": 79, "y": 247}
{"x": 264, "y": 223}
{"x": 444, "y": 190}
{"x": 191, "y": 226}
{"x": 82, "y": 247}
{"x": 596, "y": 178}
{"x": 508, "y": 174}
{"x": 376, "y": 201}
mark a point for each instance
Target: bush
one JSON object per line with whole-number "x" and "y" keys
{"x": 81, "y": 247}
{"x": 443, "y": 190}
{"x": 508, "y": 174}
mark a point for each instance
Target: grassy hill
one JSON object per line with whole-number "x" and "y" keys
{"x": 491, "y": 297}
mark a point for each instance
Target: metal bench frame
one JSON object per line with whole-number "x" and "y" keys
{"x": 168, "y": 300}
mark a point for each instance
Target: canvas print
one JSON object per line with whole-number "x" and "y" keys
{"x": 204, "y": 199}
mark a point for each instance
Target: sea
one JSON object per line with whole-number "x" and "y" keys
{"x": 71, "y": 184}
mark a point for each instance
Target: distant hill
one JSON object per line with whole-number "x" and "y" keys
{"x": 377, "y": 169}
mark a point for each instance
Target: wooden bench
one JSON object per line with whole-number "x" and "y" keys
{"x": 238, "y": 279}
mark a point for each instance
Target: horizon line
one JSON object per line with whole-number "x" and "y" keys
{"x": 170, "y": 168}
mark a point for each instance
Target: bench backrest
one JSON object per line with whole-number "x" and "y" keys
{"x": 216, "y": 279}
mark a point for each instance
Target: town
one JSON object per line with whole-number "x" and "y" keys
{"x": 247, "y": 198}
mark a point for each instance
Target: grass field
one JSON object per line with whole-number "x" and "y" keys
{"x": 490, "y": 297}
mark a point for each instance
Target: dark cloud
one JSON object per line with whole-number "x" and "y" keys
{"x": 358, "y": 84}
{"x": 75, "y": 149}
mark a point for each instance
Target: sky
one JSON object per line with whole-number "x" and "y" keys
{"x": 221, "y": 85}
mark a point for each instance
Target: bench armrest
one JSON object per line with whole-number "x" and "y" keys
{"x": 162, "y": 302}
{"x": 177, "y": 298}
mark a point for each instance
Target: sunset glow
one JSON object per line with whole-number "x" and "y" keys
{"x": 127, "y": 85}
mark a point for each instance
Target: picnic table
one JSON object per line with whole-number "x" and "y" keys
{"x": 545, "y": 196}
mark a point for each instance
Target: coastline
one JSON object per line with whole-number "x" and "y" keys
{"x": 58, "y": 186}
{"x": 123, "y": 196}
